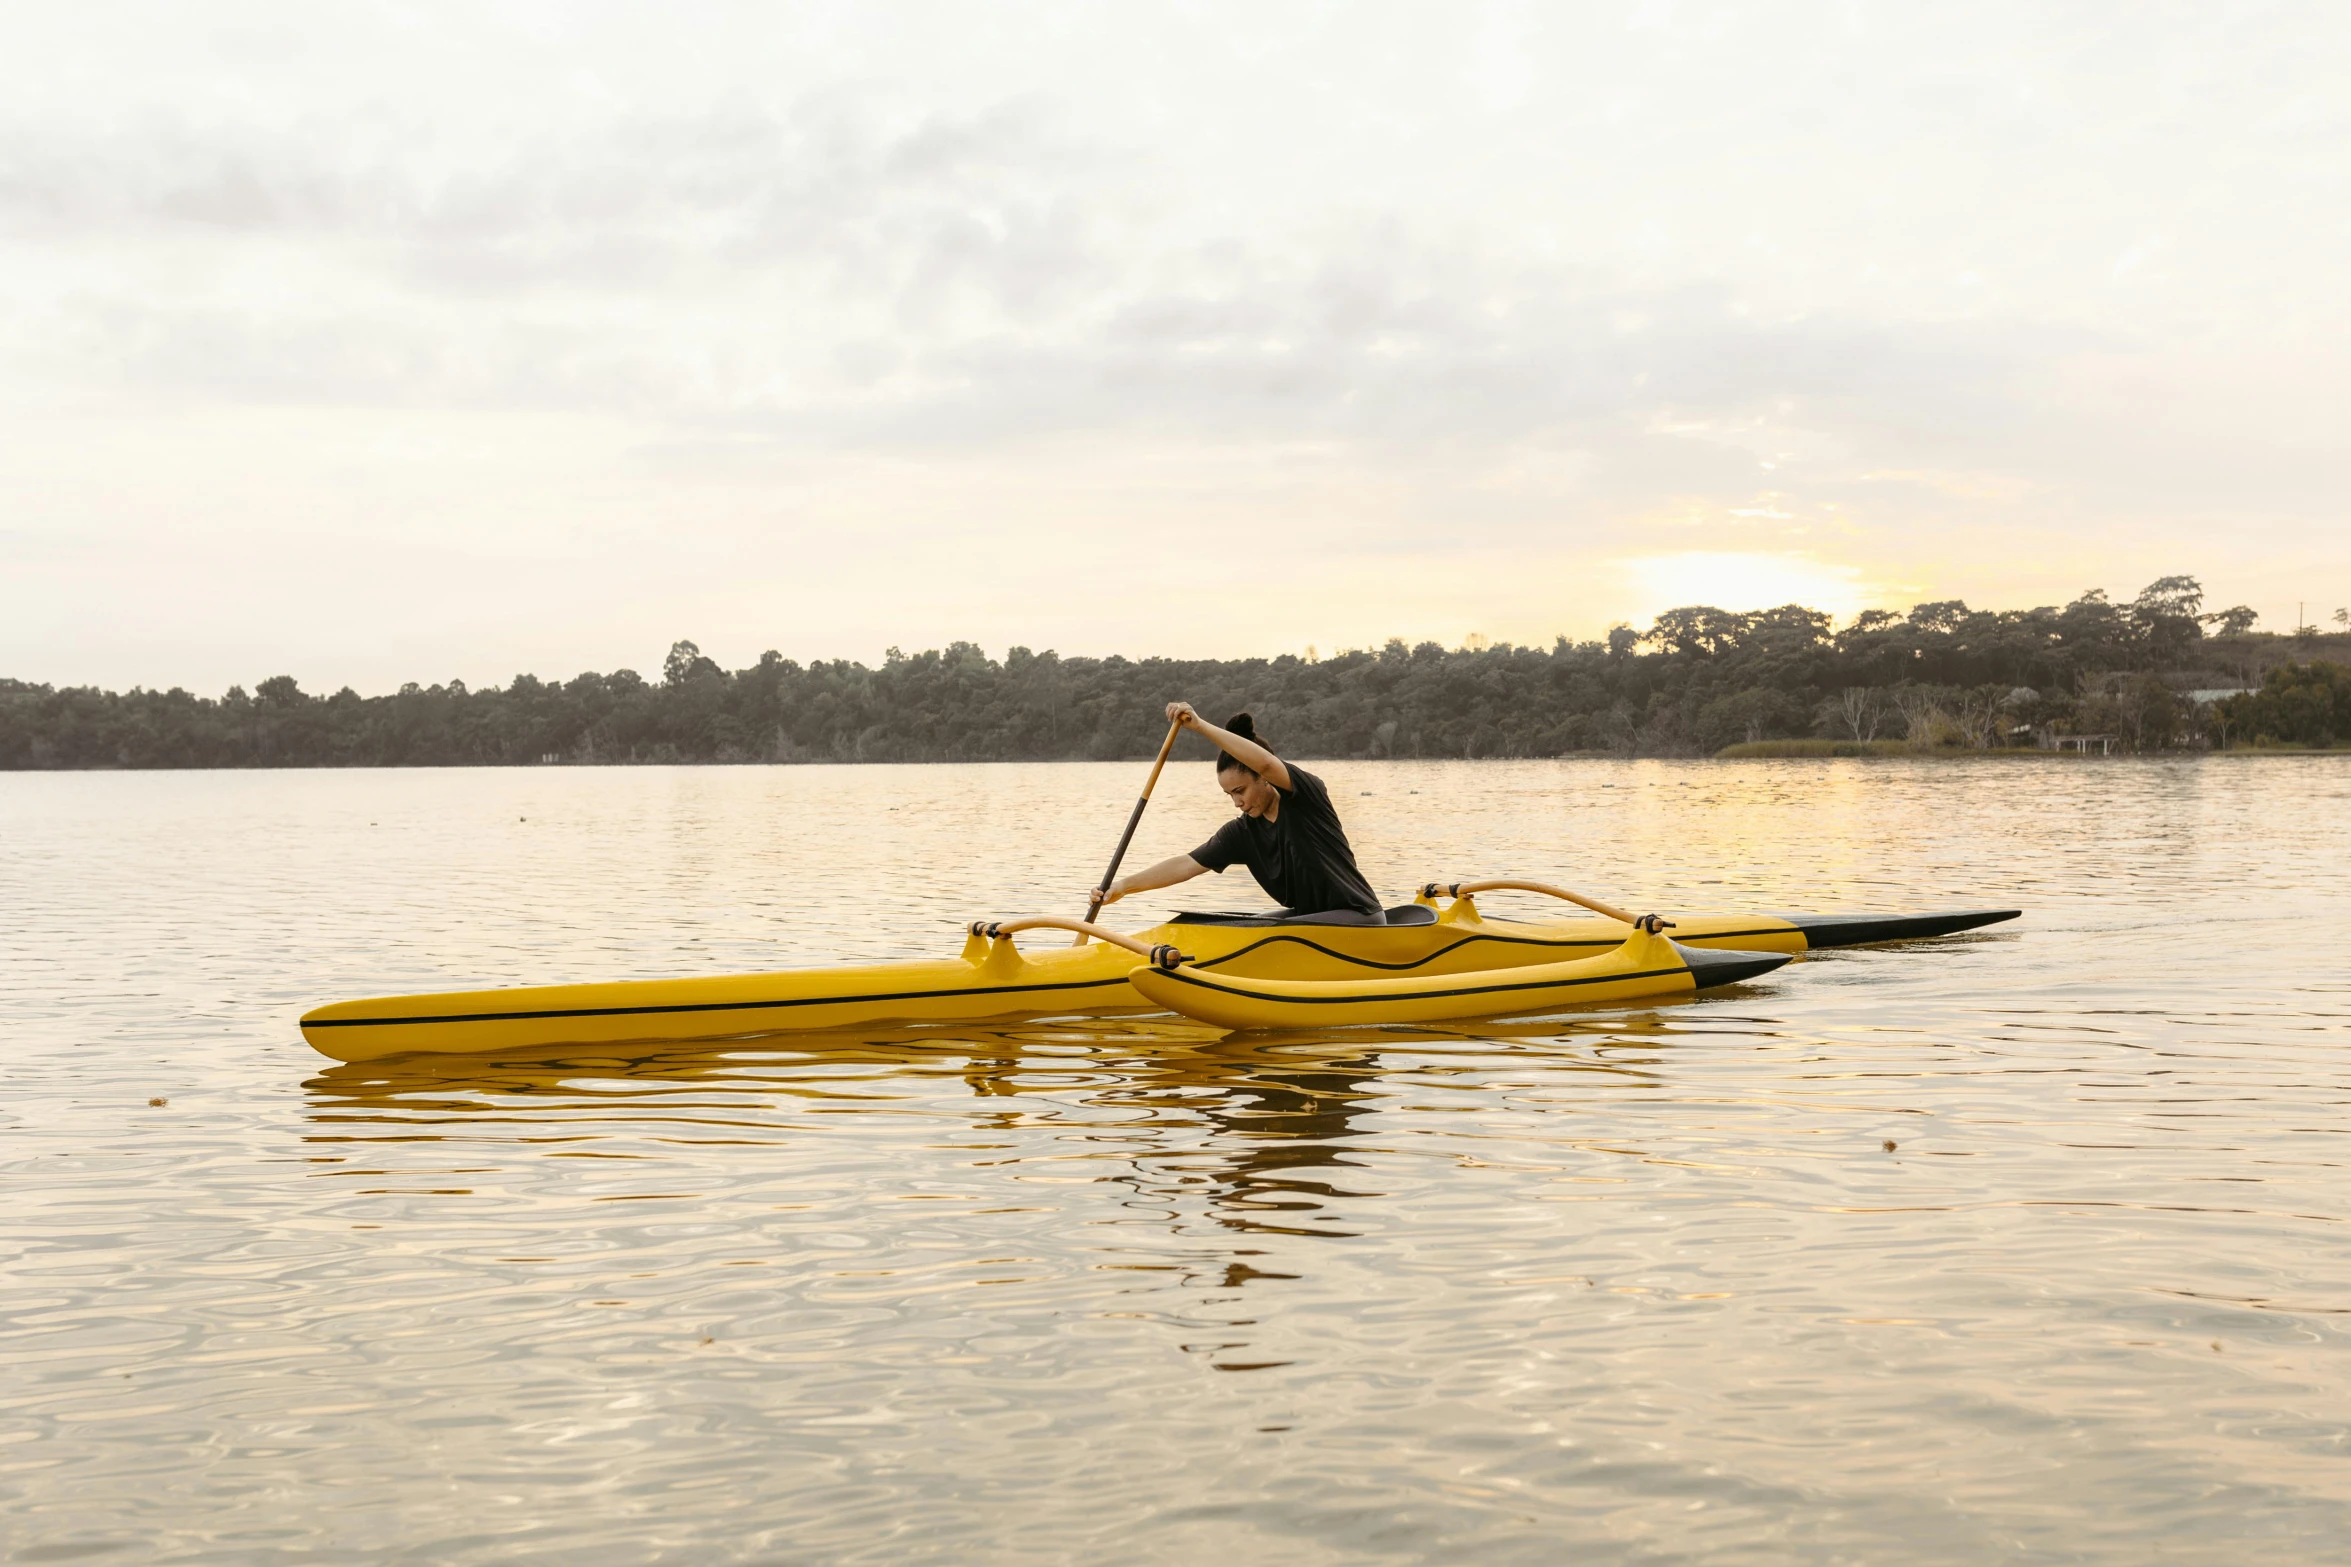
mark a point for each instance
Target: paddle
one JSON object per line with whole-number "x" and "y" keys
{"x": 1094, "y": 905}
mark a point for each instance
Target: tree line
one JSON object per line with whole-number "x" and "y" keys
{"x": 1941, "y": 676}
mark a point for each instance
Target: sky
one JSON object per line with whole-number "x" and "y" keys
{"x": 406, "y": 341}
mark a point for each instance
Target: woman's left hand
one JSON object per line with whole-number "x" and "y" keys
{"x": 1181, "y": 713}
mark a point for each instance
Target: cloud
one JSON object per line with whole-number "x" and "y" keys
{"x": 1440, "y": 312}
{"x": 827, "y": 278}
{"x": 824, "y": 184}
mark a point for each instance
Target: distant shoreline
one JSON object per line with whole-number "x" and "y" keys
{"x": 1758, "y": 751}
{"x": 1762, "y": 750}
{"x": 2152, "y": 675}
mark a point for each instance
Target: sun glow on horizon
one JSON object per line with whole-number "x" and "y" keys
{"x": 1742, "y": 581}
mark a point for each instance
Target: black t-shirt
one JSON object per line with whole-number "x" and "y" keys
{"x": 1301, "y": 857}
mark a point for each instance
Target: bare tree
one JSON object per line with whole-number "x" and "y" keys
{"x": 1979, "y": 716}
{"x": 2130, "y": 707}
{"x": 2147, "y": 711}
{"x": 1921, "y": 708}
{"x": 1861, "y": 710}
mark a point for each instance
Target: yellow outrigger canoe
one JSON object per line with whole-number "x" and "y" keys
{"x": 1235, "y": 970}
{"x": 1641, "y": 966}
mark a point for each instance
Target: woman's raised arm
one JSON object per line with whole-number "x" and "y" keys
{"x": 1240, "y": 748}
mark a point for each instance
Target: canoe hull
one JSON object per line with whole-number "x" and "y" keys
{"x": 1088, "y": 980}
{"x": 993, "y": 982}
{"x": 1641, "y": 967}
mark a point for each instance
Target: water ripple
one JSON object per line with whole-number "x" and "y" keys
{"x": 2029, "y": 1243}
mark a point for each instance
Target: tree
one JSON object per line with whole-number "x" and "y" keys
{"x": 2170, "y": 596}
{"x": 1749, "y": 715}
{"x": 1698, "y": 628}
{"x": 1922, "y": 712}
{"x": 2164, "y": 616}
{"x": 2298, "y": 704}
{"x": 685, "y": 661}
{"x": 1699, "y": 678}
{"x": 1860, "y": 709}
{"x": 2233, "y": 622}
{"x": 2148, "y": 711}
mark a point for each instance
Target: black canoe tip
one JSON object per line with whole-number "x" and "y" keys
{"x": 1712, "y": 966}
{"x": 1855, "y": 930}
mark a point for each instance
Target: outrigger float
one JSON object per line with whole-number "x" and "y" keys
{"x": 1238, "y": 971}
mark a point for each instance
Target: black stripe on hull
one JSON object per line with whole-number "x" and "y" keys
{"x": 1855, "y": 930}
{"x": 1602, "y": 942}
{"x": 708, "y": 1006}
{"x": 1399, "y": 968}
{"x": 1707, "y": 967}
{"x": 1422, "y": 995}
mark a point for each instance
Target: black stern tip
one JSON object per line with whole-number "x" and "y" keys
{"x": 1855, "y": 930}
{"x": 1712, "y": 966}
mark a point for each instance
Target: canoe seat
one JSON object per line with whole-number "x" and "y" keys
{"x": 1402, "y": 914}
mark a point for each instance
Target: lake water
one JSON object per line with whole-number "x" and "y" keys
{"x": 1630, "y": 1285}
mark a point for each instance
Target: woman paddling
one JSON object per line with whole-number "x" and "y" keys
{"x": 1288, "y": 834}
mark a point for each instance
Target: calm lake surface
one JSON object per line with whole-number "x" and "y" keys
{"x": 1628, "y": 1285}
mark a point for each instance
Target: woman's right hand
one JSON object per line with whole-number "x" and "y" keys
{"x": 1109, "y": 895}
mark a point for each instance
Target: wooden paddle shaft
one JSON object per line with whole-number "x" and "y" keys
{"x": 1135, "y": 816}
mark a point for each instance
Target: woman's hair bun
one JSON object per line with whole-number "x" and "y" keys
{"x": 1246, "y": 727}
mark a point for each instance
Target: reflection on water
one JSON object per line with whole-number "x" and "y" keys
{"x": 2027, "y": 1243}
